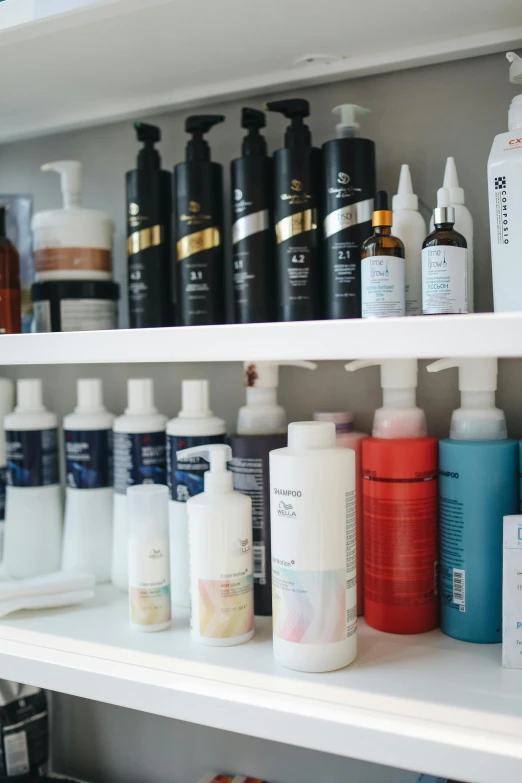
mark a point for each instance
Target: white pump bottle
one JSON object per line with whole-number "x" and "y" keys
{"x": 463, "y": 220}
{"x": 399, "y": 416}
{"x": 72, "y": 243}
{"x": 220, "y": 543}
{"x": 410, "y": 227}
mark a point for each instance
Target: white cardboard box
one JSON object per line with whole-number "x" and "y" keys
{"x": 512, "y": 593}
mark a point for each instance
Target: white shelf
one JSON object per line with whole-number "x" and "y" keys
{"x": 420, "y": 702}
{"x": 426, "y": 337}
{"x": 74, "y": 63}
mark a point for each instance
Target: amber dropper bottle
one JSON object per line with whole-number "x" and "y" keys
{"x": 10, "y": 298}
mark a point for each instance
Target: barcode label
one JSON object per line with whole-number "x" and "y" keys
{"x": 259, "y": 556}
{"x": 16, "y": 753}
{"x": 459, "y": 587}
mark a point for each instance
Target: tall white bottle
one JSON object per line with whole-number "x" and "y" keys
{"x": 220, "y": 536}
{"x": 195, "y": 425}
{"x": 505, "y": 203}
{"x": 139, "y": 458}
{"x": 33, "y": 518}
{"x": 410, "y": 227}
{"x": 6, "y": 406}
{"x": 463, "y": 220}
{"x": 87, "y": 538}
{"x": 312, "y": 501}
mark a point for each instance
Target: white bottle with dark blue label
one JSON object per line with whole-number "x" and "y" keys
{"x": 139, "y": 458}
{"x": 195, "y": 425}
{"x": 33, "y": 517}
{"x": 87, "y": 539}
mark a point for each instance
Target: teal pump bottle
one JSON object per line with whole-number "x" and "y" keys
{"x": 478, "y": 486}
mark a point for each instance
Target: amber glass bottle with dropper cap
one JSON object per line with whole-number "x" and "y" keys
{"x": 383, "y": 281}
{"x": 10, "y": 299}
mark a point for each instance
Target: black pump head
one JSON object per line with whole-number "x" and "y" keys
{"x": 296, "y": 109}
{"x": 148, "y": 157}
{"x": 254, "y": 145}
{"x": 252, "y": 118}
{"x": 198, "y": 124}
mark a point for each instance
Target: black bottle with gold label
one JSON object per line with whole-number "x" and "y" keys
{"x": 149, "y": 208}
{"x": 198, "y": 197}
{"x": 297, "y": 178}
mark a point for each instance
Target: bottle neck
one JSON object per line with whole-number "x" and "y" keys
{"x": 382, "y": 231}
{"x": 148, "y": 157}
{"x": 444, "y": 226}
{"x": 197, "y": 148}
{"x": 298, "y": 134}
{"x": 399, "y": 398}
{"x": 265, "y": 397}
{"x": 254, "y": 145}
{"x": 477, "y": 399}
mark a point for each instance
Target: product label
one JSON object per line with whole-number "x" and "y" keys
{"x": 226, "y": 606}
{"x": 444, "y": 280}
{"x": 24, "y": 732}
{"x": 72, "y": 259}
{"x": 149, "y": 579}
{"x": 32, "y": 457}
{"x": 186, "y": 476}
{"x": 139, "y": 459}
{"x": 383, "y": 287}
{"x": 88, "y": 458}
{"x": 88, "y": 315}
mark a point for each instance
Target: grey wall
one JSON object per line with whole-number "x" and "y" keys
{"x": 419, "y": 117}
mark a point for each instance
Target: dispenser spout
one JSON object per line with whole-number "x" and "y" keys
{"x": 70, "y": 172}
{"x": 451, "y": 183}
{"x": 348, "y": 113}
{"x": 218, "y": 479}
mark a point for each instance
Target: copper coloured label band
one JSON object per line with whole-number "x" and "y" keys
{"x": 72, "y": 259}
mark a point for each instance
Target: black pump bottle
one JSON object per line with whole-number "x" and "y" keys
{"x": 252, "y": 226}
{"x": 297, "y": 176}
{"x": 149, "y": 208}
{"x": 198, "y": 196}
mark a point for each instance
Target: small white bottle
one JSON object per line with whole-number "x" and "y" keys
{"x": 410, "y": 227}
{"x": 149, "y": 568}
{"x": 312, "y": 501}
{"x": 87, "y": 538}
{"x": 33, "y": 519}
{"x": 463, "y": 221}
{"x": 220, "y": 542}
{"x": 139, "y": 458}
{"x": 6, "y": 406}
{"x": 195, "y": 425}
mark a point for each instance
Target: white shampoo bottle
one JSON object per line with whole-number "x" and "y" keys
{"x": 87, "y": 538}
{"x": 6, "y": 406}
{"x": 220, "y": 542}
{"x": 33, "y": 518}
{"x": 312, "y": 501}
{"x": 149, "y": 568}
{"x": 410, "y": 227}
{"x": 139, "y": 458}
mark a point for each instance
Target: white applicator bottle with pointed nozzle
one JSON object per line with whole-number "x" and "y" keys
{"x": 463, "y": 219}
{"x": 410, "y": 227}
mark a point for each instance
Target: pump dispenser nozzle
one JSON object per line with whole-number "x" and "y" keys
{"x": 254, "y": 145}
{"x": 348, "y": 113}
{"x": 515, "y": 69}
{"x": 399, "y": 416}
{"x": 405, "y": 198}
{"x": 197, "y": 125}
{"x": 218, "y": 479}
{"x": 148, "y": 157}
{"x": 443, "y": 213}
{"x": 477, "y": 418}
{"x": 295, "y": 109}
{"x": 70, "y": 172}
{"x": 515, "y": 77}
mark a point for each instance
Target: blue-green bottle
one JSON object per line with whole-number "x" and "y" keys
{"x": 478, "y": 486}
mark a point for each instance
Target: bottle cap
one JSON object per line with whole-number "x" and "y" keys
{"x": 343, "y": 421}
{"x": 306, "y": 435}
{"x": 405, "y": 198}
{"x": 89, "y": 396}
{"x": 140, "y": 397}
{"x": 451, "y": 182}
{"x": 70, "y": 172}
{"x": 148, "y": 509}
{"x": 382, "y": 216}
{"x": 29, "y": 396}
{"x": 217, "y": 479}
{"x": 443, "y": 213}
{"x": 194, "y": 400}
{"x": 348, "y": 126}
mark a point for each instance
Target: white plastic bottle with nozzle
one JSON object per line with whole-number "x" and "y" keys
{"x": 195, "y": 425}
{"x": 505, "y": 203}
{"x": 410, "y": 227}
{"x": 72, "y": 243}
{"x": 149, "y": 568}
{"x": 139, "y": 458}
{"x": 6, "y": 406}
{"x": 312, "y": 500}
{"x": 463, "y": 220}
{"x": 33, "y": 518}
{"x": 87, "y": 538}
{"x": 220, "y": 543}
